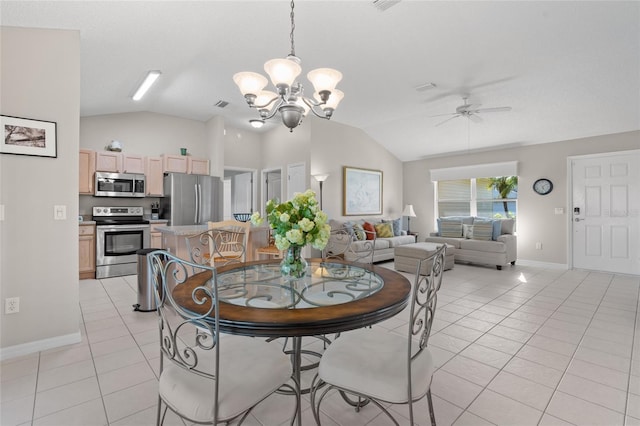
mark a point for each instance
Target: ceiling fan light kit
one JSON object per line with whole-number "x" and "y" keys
{"x": 289, "y": 100}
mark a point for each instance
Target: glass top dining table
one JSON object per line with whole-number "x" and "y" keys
{"x": 334, "y": 296}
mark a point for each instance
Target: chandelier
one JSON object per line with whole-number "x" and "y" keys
{"x": 289, "y": 100}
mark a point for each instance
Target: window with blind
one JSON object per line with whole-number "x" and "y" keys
{"x": 485, "y": 197}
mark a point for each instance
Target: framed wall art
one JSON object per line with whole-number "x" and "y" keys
{"x": 23, "y": 136}
{"x": 362, "y": 191}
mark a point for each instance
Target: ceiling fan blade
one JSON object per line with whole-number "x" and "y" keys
{"x": 474, "y": 118}
{"x": 496, "y": 109}
{"x": 442, "y": 115}
{"x": 448, "y": 119}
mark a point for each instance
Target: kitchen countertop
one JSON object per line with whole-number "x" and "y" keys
{"x": 182, "y": 230}
{"x": 87, "y": 222}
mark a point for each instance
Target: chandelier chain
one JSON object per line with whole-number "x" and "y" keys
{"x": 293, "y": 26}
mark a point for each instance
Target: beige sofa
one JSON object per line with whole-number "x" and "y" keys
{"x": 500, "y": 250}
{"x": 383, "y": 247}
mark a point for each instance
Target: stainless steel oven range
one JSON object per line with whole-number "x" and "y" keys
{"x": 120, "y": 233}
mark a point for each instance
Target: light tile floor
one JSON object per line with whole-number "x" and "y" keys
{"x": 514, "y": 347}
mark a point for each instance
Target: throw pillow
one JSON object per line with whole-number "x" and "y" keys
{"x": 383, "y": 230}
{"x": 467, "y": 231}
{"x": 396, "y": 224}
{"x": 508, "y": 226}
{"x": 495, "y": 224}
{"x": 450, "y": 228}
{"x": 371, "y": 230}
{"x": 482, "y": 231}
{"x": 359, "y": 232}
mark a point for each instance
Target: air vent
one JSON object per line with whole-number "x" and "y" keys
{"x": 383, "y": 5}
{"x": 221, "y": 104}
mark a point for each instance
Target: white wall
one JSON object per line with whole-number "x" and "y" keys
{"x": 40, "y": 79}
{"x": 537, "y": 221}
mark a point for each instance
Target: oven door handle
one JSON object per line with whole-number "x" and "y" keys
{"x": 120, "y": 227}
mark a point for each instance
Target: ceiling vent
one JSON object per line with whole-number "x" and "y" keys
{"x": 221, "y": 104}
{"x": 425, "y": 87}
{"x": 383, "y": 5}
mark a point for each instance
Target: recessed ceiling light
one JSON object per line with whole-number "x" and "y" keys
{"x": 151, "y": 78}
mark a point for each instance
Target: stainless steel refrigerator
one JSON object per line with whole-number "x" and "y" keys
{"x": 191, "y": 199}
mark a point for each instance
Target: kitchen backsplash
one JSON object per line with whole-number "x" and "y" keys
{"x": 88, "y": 202}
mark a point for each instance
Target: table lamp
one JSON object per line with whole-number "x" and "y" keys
{"x": 409, "y": 213}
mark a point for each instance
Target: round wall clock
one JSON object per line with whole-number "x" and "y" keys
{"x": 543, "y": 186}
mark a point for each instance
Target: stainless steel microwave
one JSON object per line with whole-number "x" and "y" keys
{"x": 119, "y": 185}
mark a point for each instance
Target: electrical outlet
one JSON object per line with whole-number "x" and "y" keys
{"x": 59, "y": 212}
{"x": 11, "y": 305}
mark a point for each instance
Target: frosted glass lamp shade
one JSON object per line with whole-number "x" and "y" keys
{"x": 282, "y": 71}
{"x": 324, "y": 79}
{"x": 333, "y": 101}
{"x": 321, "y": 178}
{"x": 250, "y": 82}
{"x": 408, "y": 211}
{"x": 263, "y": 98}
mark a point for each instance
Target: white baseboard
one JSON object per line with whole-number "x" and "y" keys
{"x": 39, "y": 345}
{"x": 544, "y": 265}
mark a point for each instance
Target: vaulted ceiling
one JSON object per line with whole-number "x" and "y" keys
{"x": 567, "y": 69}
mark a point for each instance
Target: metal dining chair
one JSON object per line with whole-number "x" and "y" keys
{"x": 206, "y": 377}
{"x": 222, "y": 244}
{"x": 384, "y": 367}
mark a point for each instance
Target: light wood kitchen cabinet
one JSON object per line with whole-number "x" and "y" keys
{"x": 87, "y": 171}
{"x": 87, "y": 251}
{"x": 133, "y": 164}
{"x": 156, "y": 236}
{"x": 198, "y": 166}
{"x": 175, "y": 163}
{"x": 153, "y": 170}
{"x": 108, "y": 161}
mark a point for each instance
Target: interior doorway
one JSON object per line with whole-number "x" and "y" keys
{"x": 296, "y": 179}
{"x": 605, "y": 212}
{"x": 241, "y": 197}
{"x": 271, "y": 185}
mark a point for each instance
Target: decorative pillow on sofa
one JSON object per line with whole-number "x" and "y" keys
{"x": 396, "y": 224}
{"x": 450, "y": 228}
{"x": 369, "y": 227}
{"x": 358, "y": 230}
{"x": 467, "y": 231}
{"x": 508, "y": 226}
{"x": 482, "y": 231}
{"x": 383, "y": 230}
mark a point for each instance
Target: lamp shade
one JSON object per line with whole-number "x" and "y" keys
{"x": 408, "y": 211}
{"x": 321, "y": 178}
{"x": 333, "y": 101}
{"x": 263, "y": 98}
{"x": 282, "y": 71}
{"x": 324, "y": 79}
{"x": 249, "y": 82}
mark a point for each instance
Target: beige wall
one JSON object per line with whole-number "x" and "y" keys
{"x": 334, "y": 145}
{"x": 38, "y": 255}
{"x": 537, "y": 221}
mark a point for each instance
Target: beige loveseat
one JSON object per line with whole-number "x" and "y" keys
{"x": 383, "y": 247}
{"x": 499, "y": 248}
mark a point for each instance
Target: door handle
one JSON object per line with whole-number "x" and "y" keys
{"x": 577, "y": 219}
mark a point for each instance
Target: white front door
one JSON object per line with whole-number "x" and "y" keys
{"x": 605, "y": 214}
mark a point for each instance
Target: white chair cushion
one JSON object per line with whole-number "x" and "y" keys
{"x": 250, "y": 370}
{"x": 375, "y": 364}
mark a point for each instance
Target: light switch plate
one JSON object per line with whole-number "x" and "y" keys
{"x": 59, "y": 212}
{"x": 559, "y": 210}
{"x": 1, "y": 212}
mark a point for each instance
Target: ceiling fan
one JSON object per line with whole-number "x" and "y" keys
{"x": 470, "y": 111}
